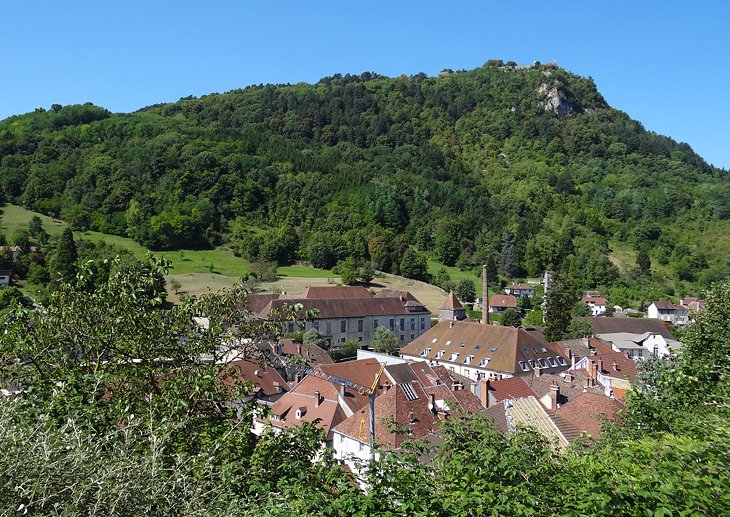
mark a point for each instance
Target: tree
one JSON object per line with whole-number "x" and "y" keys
{"x": 63, "y": 262}
{"x": 580, "y": 309}
{"x": 313, "y": 337}
{"x": 558, "y": 304}
{"x": 510, "y": 318}
{"x": 384, "y": 341}
{"x": 413, "y": 265}
{"x": 441, "y": 278}
{"x": 465, "y": 290}
{"x": 643, "y": 261}
{"x": 578, "y": 329}
{"x": 507, "y": 261}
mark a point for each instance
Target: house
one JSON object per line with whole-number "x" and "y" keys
{"x": 499, "y": 303}
{"x": 478, "y": 351}
{"x": 667, "y": 311}
{"x": 419, "y": 397}
{"x": 5, "y": 277}
{"x": 312, "y": 354}
{"x": 268, "y": 385}
{"x": 694, "y": 305}
{"x": 641, "y": 346}
{"x": 15, "y": 251}
{"x": 596, "y": 304}
{"x": 615, "y": 371}
{"x": 520, "y": 290}
{"x": 322, "y": 397}
{"x": 630, "y": 325}
{"x": 352, "y": 317}
{"x": 588, "y": 411}
{"x": 452, "y": 309}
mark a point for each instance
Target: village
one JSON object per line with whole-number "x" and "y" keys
{"x": 456, "y": 368}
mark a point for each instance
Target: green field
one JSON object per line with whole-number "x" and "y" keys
{"x": 455, "y": 273}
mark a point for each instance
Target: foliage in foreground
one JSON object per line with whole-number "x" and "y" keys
{"x": 99, "y": 434}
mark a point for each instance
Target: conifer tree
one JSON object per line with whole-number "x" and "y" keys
{"x": 557, "y": 308}
{"x": 63, "y": 264}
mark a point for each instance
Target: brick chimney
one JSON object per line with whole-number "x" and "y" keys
{"x": 299, "y": 349}
{"x": 538, "y": 370}
{"x": 316, "y": 398}
{"x": 434, "y": 411}
{"x": 554, "y": 394}
{"x": 484, "y": 392}
{"x": 485, "y": 296}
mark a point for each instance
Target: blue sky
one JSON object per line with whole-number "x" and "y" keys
{"x": 665, "y": 63}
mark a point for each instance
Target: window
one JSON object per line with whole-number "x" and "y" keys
{"x": 552, "y": 362}
{"x": 342, "y": 340}
{"x": 561, "y": 360}
{"x": 423, "y": 323}
{"x": 425, "y": 352}
{"x": 542, "y": 362}
{"x": 533, "y": 363}
{"x": 392, "y": 324}
{"x": 434, "y": 340}
{"x": 484, "y": 362}
{"x": 469, "y": 359}
{"x": 316, "y": 326}
{"x": 413, "y": 336}
{"x": 375, "y": 324}
{"x": 402, "y": 324}
{"x": 360, "y": 338}
{"x": 494, "y": 349}
{"x": 359, "y": 325}
{"x": 534, "y": 350}
{"x": 328, "y": 325}
{"x": 291, "y": 326}
{"x": 440, "y": 354}
{"x": 462, "y": 345}
{"x": 524, "y": 367}
{"x": 544, "y": 350}
{"x": 467, "y": 372}
{"x": 343, "y": 326}
{"x": 413, "y": 323}
{"x": 448, "y": 342}
{"x": 454, "y": 356}
{"x": 526, "y": 352}
{"x": 402, "y": 337}
{"x": 477, "y": 347}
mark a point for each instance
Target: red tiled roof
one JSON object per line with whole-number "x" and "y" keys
{"x": 521, "y": 287}
{"x": 510, "y": 388}
{"x": 587, "y": 411}
{"x": 345, "y": 307}
{"x": 313, "y": 353}
{"x": 630, "y": 325}
{"x": 624, "y": 367}
{"x": 335, "y": 291}
{"x": 451, "y": 303}
{"x": 594, "y": 299}
{"x": 502, "y": 346}
{"x": 264, "y": 378}
{"x": 256, "y": 302}
{"x": 329, "y": 410}
{"x": 503, "y": 300}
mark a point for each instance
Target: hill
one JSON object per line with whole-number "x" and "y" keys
{"x": 526, "y": 166}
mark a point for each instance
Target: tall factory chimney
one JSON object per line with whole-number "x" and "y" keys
{"x": 485, "y": 296}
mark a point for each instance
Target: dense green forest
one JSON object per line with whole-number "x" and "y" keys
{"x": 527, "y": 168}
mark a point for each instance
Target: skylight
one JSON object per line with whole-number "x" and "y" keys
{"x": 524, "y": 366}
{"x": 552, "y": 361}
{"x": 534, "y": 350}
{"x": 434, "y": 340}
{"x": 448, "y": 342}
{"x": 477, "y": 347}
{"x": 526, "y": 352}
{"x": 542, "y": 362}
{"x": 493, "y": 349}
{"x": 408, "y": 390}
{"x": 533, "y": 363}
{"x": 462, "y": 345}
{"x": 544, "y": 350}
{"x": 561, "y": 360}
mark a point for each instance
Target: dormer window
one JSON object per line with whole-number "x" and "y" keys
{"x": 425, "y": 352}
{"x": 468, "y": 359}
{"x": 484, "y": 362}
{"x": 543, "y": 363}
{"x": 533, "y": 363}
{"x": 440, "y": 354}
{"x": 300, "y": 412}
{"x": 552, "y": 362}
{"x": 561, "y": 360}
{"x": 454, "y": 356}
{"x": 524, "y": 366}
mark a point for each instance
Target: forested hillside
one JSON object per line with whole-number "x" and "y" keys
{"x": 525, "y": 167}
